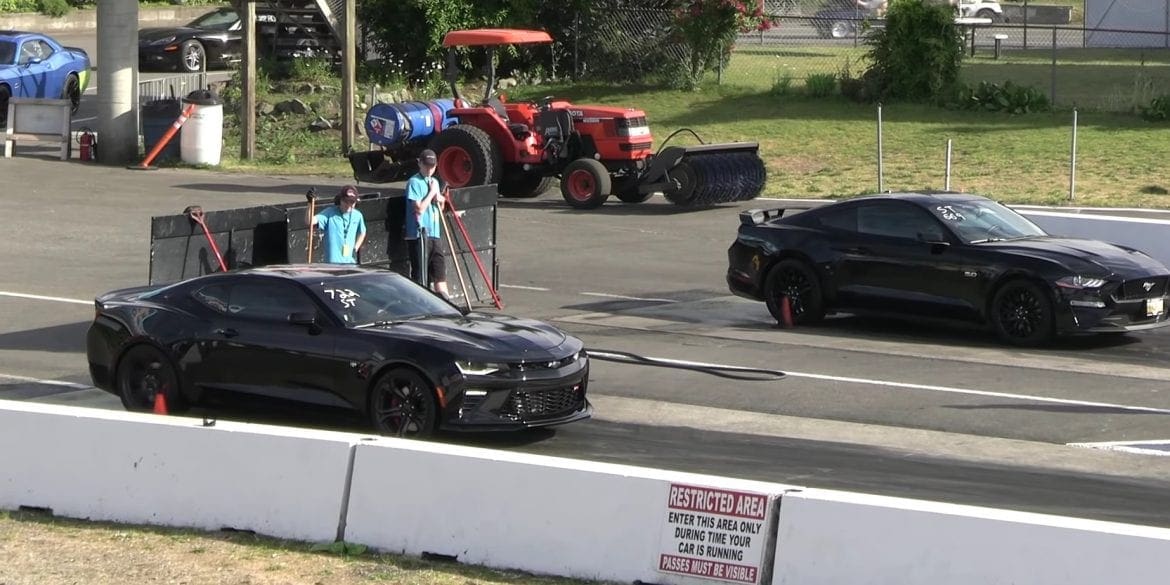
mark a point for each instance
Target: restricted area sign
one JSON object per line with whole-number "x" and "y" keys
{"x": 713, "y": 533}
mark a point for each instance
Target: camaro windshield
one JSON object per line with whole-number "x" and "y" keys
{"x": 985, "y": 221}
{"x": 7, "y": 52}
{"x": 377, "y": 298}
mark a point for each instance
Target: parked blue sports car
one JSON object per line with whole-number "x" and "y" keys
{"x": 33, "y": 65}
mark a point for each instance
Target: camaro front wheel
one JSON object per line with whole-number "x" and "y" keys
{"x": 1022, "y": 314}
{"x": 144, "y": 373}
{"x": 402, "y": 404}
{"x": 795, "y": 280}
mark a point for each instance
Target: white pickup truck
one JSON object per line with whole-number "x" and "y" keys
{"x": 981, "y": 9}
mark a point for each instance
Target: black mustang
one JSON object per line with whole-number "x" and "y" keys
{"x": 948, "y": 256}
{"x": 366, "y": 340}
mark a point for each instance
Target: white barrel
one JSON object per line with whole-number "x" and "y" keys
{"x": 201, "y": 142}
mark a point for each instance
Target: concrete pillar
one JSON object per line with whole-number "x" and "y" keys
{"x": 117, "y": 81}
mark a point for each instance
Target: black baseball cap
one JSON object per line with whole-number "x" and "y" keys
{"x": 427, "y": 157}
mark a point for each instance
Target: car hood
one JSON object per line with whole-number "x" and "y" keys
{"x": 1076, "y": 253}
{"x": 147, "y": 35}
{"x": 502, "y": 337}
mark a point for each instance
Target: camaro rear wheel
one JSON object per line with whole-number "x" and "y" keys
{"x": 143, "y": 373}
{"x": 1022, "y": 314}
{"x": 796, "y": 280}
{"x": 402, "y": 404}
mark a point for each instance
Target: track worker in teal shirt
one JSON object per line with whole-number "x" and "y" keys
{"x": 424, "y": 204}
{"x": 343, "y": 228}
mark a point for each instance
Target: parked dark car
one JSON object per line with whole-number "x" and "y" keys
{"x": 365, "y": 340}
{"x": 841, "y": 19}
{"x": 947, "y": 256}
{"x": 215, "y": 39}
{"x": 34, "y": 65}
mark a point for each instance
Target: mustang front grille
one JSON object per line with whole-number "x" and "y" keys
{"x": 1142, "y": 288}
{"x": 543, "y": 403}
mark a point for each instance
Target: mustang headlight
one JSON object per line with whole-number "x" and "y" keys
{"x": 1079, "y": 282}
{"x": 479, "y": 368}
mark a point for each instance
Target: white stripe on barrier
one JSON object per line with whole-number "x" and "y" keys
{"x": 828, "y": 537}
{"x": 141, "y": 468}
{"x": 45, "y": 298}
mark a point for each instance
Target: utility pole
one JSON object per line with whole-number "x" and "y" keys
{"x": 117, "y": 81}
{"x": 248, "y": 77}
{"x": 348, "y": 75}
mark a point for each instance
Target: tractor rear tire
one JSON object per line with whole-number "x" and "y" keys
{"x": 467, "y": 157}
{"x": 585, "y": 184}
{"x": 524, "y": 185}
{"x": 626, "y": 189}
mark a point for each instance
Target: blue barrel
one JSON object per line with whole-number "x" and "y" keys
{"x": 400, "y": 123}
{"x": 157, "y": 117}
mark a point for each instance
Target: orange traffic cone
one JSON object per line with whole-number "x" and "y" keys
{"x": 785, "y": 312}
{"x": 160, "y": 402}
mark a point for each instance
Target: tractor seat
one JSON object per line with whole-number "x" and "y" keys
{"x": 519, "y": 131}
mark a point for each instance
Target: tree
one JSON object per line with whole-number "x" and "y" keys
{"x": 917, "y": 55}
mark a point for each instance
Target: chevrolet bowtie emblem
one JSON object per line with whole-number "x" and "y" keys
{"x": 1147, "y": 286}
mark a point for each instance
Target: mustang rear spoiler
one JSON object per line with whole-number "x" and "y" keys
{"x": 758, "y": 216}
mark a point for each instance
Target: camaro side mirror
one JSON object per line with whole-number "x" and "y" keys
{"x": 306, "y": 319}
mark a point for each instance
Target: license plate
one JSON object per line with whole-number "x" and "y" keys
{"x": 1155, "y": 307}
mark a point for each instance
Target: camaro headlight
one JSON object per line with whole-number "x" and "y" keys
{"x": 479, "y": 368}
{"x": 163, "y": 41}
{"x": 1079, "y": 282}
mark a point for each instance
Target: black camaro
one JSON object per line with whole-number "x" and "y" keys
{"x": 366, "y": 340}
{"x": 947, "y": 256}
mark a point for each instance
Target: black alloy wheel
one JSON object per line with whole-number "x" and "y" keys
{"x": 402, "y": 404}
{"x": 143, "y": 373}
{"x": 1022, "y": 314}
{"x": 72, "y": 92}
{"x": 796, "y": 280}
{"x": 192, "y": 57}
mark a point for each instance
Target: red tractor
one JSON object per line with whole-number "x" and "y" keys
{"x": 596, "y": 151}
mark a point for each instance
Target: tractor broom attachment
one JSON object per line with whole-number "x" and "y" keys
{"x": 709, "y": 174}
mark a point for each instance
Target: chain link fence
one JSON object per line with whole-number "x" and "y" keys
{"x": 1075, "y": 66}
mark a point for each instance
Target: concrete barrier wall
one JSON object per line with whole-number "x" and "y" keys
{"x": 1148, "y": 235}
{"x": 541, "y": 514}
{"x": 141, "y": 468}
{"x": 835, "y": 537}
{"x": 78, "y": 21}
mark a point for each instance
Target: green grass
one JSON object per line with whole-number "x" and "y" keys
{"x": 828, "y": 147}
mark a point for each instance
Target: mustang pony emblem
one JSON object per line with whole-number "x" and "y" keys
{"x": 1147, "y": 286}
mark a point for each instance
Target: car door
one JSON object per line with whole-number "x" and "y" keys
{"x": 251, "y": 346}
{"x": 34, "y": 69}
{"x": 902, "y": 260}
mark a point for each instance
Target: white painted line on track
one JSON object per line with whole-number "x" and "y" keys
{"x": 44, "y": 298}
{"x": 46, "y": 382}
{"x": 522, "y": 287}
{"x": 1135, "y": 447}
{"x": 624, "y": 297}
{"x": 79, "y": 120}
{"x": 1122, "y": 443}
{"x": 933, "y": 388}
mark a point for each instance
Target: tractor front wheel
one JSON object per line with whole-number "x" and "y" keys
{"x": 585, "y": 184}
{"x": 467, "y": 156}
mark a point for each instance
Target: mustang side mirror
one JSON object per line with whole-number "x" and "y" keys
{"x": 938, "y": 243}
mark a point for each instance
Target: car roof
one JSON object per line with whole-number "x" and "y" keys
{"x": 16, "y": 35}
{"x": 922, "y": 197}
{"x": 308, "y": 272}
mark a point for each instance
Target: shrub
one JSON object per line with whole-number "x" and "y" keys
{"x": 916, "y": 56}
{"x": 1009, "y": 97}
{"x": 54, "y": 8}
{"x": 1158, "y": 110}
{"x": 19, "y": 5}
{"x": 821, "y": 85}
{"x": 782, "y": 84}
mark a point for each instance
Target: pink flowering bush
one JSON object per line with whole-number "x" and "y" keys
{"x": 708, "y": 28}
